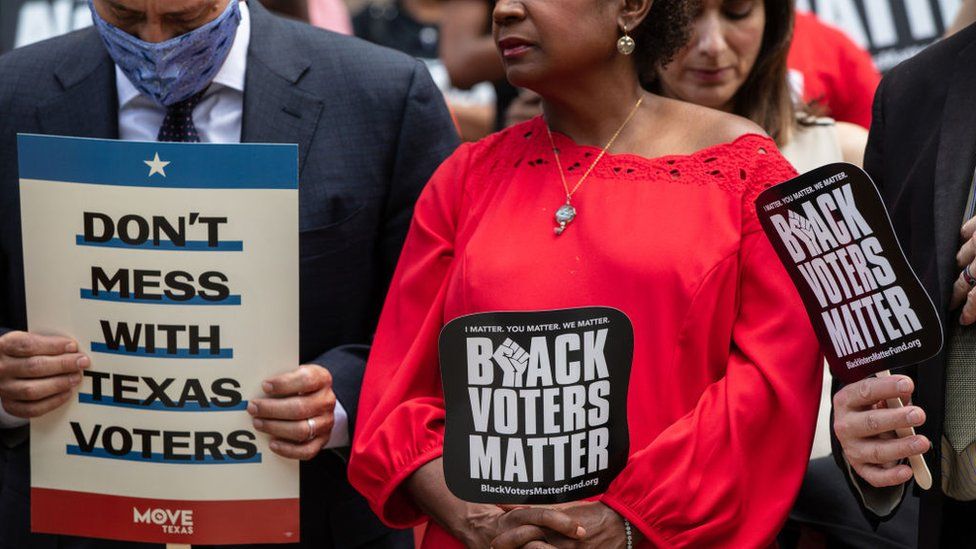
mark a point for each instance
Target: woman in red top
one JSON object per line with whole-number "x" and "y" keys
{"x": 725, "y": 379}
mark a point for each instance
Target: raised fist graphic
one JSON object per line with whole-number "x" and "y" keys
{"x": 514, "y": 360}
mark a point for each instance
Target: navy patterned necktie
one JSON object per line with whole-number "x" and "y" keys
{"x": 178, "y": 124}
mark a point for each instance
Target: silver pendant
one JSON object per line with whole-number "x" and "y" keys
{"x": 564, "y": 216}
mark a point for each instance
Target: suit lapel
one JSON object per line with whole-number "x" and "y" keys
{"x": 88, "y": 106}
{"x": 276, "y": 110}
{"x": 954, "y": 166}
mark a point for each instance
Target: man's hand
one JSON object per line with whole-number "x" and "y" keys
{"x": 38, "y": 373}
{"x": 298, "y": 413}
{"x": 962, "y": 292}
{"x": 865, "y": 429}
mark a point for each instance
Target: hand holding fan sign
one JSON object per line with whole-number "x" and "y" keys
{"x": 832, "y": 232}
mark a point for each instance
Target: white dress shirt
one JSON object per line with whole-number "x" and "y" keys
{"x": 218, "y": 120}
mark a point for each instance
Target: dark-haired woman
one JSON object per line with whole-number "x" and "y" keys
{"x": 736, "y": 61}
{"x": 655, "y": 218}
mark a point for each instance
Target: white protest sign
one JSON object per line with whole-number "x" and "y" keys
{"x": 175, "y": 266}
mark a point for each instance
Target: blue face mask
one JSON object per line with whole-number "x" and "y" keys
{"x": 171, "y": 71}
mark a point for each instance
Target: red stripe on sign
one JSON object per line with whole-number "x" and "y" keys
{"x": 164, "y": 520}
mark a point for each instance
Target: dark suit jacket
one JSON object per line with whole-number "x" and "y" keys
{"x": 371, "y": 128}
{"x": 922, "y": 152}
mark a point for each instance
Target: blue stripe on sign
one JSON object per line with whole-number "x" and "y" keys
{"x": 234, "y": 300}
{"x": 161, "y": 353}
{"x": 190, "y": 166}
{"x": 166, "y": 245}
{"x": 158, "y": 458}
{"x": 86, "y": 398}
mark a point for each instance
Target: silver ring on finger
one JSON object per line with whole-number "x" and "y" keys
{"x": 968, "y": 277}
{"x": 311, "y": 429}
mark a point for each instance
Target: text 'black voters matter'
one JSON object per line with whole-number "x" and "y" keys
{"x": 832, "y": 232}
{"x": 536, "y": 403}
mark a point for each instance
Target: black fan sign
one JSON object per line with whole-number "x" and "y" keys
{"x": 536, "y": 403}
{"x": 831, "y": 230}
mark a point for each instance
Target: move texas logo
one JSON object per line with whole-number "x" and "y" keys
{"x": 171, "y": 521}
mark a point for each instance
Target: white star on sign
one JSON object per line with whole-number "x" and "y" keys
{"x": 156, "y": 166}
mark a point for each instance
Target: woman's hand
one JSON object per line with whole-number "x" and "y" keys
{"x": 479, "y": 525}
{"x": 536, "y": 527}
{"x": 600, "y": 527}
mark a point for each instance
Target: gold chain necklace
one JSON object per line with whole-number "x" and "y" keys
{"x": 567, "y": 212}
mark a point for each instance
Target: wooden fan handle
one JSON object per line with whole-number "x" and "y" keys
{"x": 920, "y": 469}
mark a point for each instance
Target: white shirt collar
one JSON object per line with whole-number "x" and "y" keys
{"x": 231, "y": 74}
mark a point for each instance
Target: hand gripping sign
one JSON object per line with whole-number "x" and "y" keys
{"x": 536, "y": 404}
{"x": 832, "y": 232}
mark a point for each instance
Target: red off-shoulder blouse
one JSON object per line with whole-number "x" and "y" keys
{"x": 726, "y": 373}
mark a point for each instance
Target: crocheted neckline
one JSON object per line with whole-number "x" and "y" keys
{"x": 724, "y": 162}
{"x": 537, "y": 126}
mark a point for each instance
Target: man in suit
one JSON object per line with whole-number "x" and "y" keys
{"x": 922, "y": 154}
{"x": 370, "y": 126}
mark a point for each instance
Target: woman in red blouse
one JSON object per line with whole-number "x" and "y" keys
{"x": 725, "y": 379}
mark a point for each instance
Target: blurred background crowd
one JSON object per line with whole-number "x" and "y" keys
{"x": 838, "y": 49}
